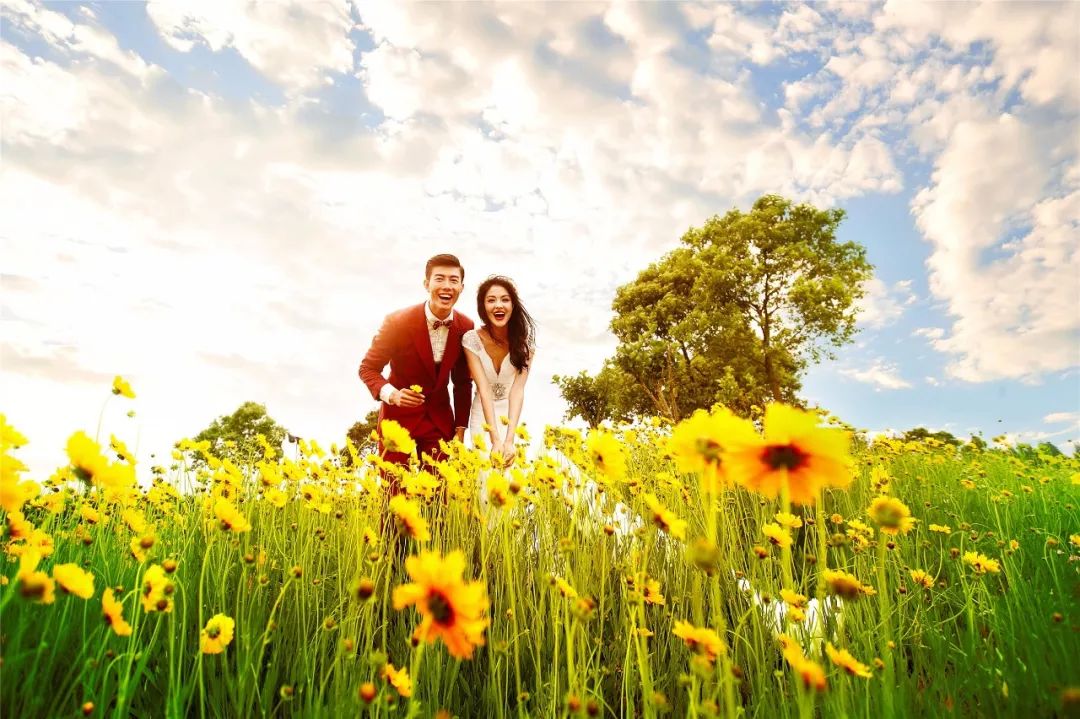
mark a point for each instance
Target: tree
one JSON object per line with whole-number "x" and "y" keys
{"x": 233, "y": 437}
{"x": 360, "y": 435}
{"x": 781, "y": 266}
{"x": 1049, "y": 449}
{"x": 733, "y": 316}
{"x": 919, "y": 434}
{"x": 594, "y": 399}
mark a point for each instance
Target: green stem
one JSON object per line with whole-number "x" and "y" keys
{"x": 888, "y": 684}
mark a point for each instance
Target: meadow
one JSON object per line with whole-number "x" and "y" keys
{"x": 710, "y": 568}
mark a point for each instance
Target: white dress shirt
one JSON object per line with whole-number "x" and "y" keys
{"x": 438, "y": 339}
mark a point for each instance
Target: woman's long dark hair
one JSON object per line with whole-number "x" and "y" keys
{"x": 521, "y": 329}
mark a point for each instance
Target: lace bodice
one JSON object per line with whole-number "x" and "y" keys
{"x": 500, "y": 380}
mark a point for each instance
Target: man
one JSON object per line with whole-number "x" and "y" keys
{"x": 422, "y": 345}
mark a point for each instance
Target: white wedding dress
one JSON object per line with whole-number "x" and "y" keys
{"x": 500, "y": 381}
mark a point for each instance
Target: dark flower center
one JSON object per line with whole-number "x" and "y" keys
{"x": 784, "y": 456}
{"x": 709, "y": 449}
{"x": 440, "y": 608}
{"x": 213, "y": 632}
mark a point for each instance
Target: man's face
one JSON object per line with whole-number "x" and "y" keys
{"x": 444, "y": 286}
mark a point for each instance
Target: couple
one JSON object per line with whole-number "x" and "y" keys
{"x": 428, "y": 346}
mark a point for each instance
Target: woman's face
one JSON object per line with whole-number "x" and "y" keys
{"x": 498, "y": 306}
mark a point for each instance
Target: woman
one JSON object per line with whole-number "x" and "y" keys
{"x": 499, "y": 353}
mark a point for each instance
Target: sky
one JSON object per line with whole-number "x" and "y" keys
{"x": 220, "y": 201}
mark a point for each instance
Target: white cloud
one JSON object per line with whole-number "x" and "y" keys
{"x": 881, "y": 374}
{"x": 218, "y": 251}
{"x": 1015, "y": 314}
{"x": 78, "y": 39}
{"x": 292, "y": 44}
{"x": 931, "y": 333}
{"x": 882, "y": 305}
{"x": 1001, "y": 208}
{"x": 1062, "y": 417}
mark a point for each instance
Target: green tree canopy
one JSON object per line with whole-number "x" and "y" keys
{"x": 918, "y": 434}
{"x": 232, "y": 436}
{"x": 360, "y": 435}
{"x": 732, "y": 316}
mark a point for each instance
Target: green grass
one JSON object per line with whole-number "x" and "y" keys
{"x": 1003, "y": 644}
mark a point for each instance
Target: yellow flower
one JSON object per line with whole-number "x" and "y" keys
{"x": 453, "y": 610}
{"x": 157, "y": 590}
{"x": 891, "y": 515}
{"x": 607, "y": 453}
{"x": 408, "y": 518}
{"x": 1074, "y": 539}
{"x": 230, "y": 517}
{"x": 34, "y": 585}
{"x": 216, "y": 635}
{"x": 786, "y": 519}
{"x": 399, "y": 679}
{"x": 793, "y": 599}
{"x": 52, "y": 502}
{"x": 420, "y": 484}
{"x": 416, "y": 388}
{"x": 498, "y": 490}
{"x": 565, "y": 589}
{"x": 276, "y": 497}
{"x": 940, "y": 528}
{"x": 113, "y": 611}
{"x": 73, "y": 579}
{"x": 810, "y": 672}
{"x": 89, "y": 514}
{"x": 134, "y": 519}
{"x": 845, "y": 585}
{"x": 121, "y": 450}
{"x": 121, "y": 387}
{"x": 10, "y": 438}
{"x": 843, "y": 659}
{"x": 794, "y": 452}
{"x": 697, "y": 444}
{"x": 38, "y": 541}
{"x": 922, "y": 578}
{"x": 664, "y": 518}
{"x": 701, "y": 640}
{"x": 777, "y": 535}
{"x": 86, "y": 457}
{"x": 18, "y": 527}
{"x": 13, "y": 492}
{"x": 396, "y": 438}
{"x": 650, "y": 592}
{"x": 981, "y": 563}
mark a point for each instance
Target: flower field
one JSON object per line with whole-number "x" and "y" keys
{"x": 711, "y": 568}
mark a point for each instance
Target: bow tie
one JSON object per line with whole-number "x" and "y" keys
{"x": 441, "y": 323}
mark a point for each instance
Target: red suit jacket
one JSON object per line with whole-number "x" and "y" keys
{"x": 403, "y": 342}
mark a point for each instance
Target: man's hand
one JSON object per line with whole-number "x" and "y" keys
{"x": 406, "y": 398}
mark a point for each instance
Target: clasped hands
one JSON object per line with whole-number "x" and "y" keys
{"x": 504, "y": 453}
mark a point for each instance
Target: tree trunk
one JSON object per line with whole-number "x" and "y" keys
{"x": 770, "y": 370}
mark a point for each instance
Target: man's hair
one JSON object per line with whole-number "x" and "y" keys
{"x": 443, "y": 261}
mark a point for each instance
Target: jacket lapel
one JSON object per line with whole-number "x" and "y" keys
{"x": 422, "y": 340}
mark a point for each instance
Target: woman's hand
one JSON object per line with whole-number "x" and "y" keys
{"x": 497, "y": 453}
{"x": 509, "y": 452}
